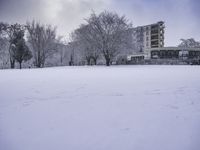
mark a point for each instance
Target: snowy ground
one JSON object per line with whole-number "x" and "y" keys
{"x": 100, "y": 108}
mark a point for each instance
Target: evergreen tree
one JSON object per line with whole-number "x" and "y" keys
{"x": 19, "y": 48}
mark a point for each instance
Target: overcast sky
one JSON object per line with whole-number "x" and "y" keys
{"x": 181, "y": 17}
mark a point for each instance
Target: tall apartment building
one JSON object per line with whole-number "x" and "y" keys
{"x": 149, "y": 36}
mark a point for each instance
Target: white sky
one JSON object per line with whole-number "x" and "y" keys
{"x": 181, "y": 16}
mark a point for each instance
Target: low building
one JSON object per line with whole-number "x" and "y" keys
{"x": 177, "y": 54}
{"x": 166, "y": 55}
{"x": 172, "y": 53}
{"x": 135, "y": 59}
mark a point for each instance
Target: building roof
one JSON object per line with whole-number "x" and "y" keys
{"x": 159, "y": 22}
{"x": 174, "y": 48}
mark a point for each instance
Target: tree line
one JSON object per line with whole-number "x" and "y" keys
{"x": 19, "y": 43}
{"x": 102, "y": 37}
{"x": 100, "y": 40}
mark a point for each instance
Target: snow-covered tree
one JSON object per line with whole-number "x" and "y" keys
{"x": 42, "y": 40}
{"x": 189, "y": 43}
{"x": 4, "y": 46}
{"x": 60, "y": 57}
{"x": 12, "y": 30}
{"x": 106, "y": 34}
{"x": 19, "y": 48}
{"x": 87, "y": 44}
{"x": 110, "y": 31}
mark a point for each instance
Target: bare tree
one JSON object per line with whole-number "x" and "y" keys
{"x": 4, "y": 46}
{"x": 74, "y": 50}
{"x": 109, "y": 31}
{"x": 88, "y": 44}
{"x": 61, "y": 50}
{"x": 2, "y": 36}
{"x": 42, "y": 39}
{"x": 72, "y": 46}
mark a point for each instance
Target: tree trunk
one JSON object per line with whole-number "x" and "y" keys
{"x": 88, "y": 61}
{"x": 38, "y": 65}
{"x": 39, "y": 61}
{"x": 20, "y": 65}
{"x": 42, "y": 65}
{"x": 71, "y": 62}
{"x": 107, "y": 62}
{"x": 95, "y": 60}
{"x": 12, "y": 60}
{"x": 61, "y": 60}
{"x": 12, "y": 64}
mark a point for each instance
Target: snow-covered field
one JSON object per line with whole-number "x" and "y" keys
{"x": 100, "y": 108}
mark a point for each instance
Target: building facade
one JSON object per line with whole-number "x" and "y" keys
{"x": 184, "y": 53}
{"x": 149, "y": 36}
{"x": 149, "y": 48}
{"x": 166, "y": 55}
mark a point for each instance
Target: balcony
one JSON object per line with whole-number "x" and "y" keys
{"x": 154, "y": 37}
